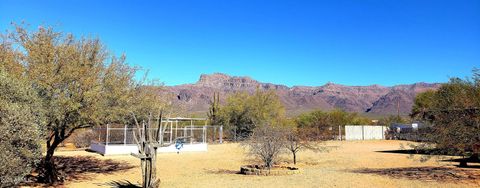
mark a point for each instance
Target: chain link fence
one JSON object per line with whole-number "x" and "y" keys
{"x": 123, "y": 134}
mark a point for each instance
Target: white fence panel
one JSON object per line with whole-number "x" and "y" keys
{"x": 364, "y": 132}
{"x": 353, "y": 132}
{"x": 373, "y": 132}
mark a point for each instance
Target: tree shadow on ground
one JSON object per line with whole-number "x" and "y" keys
{"x": 413, "y": 151}
{"x": 441, "y": 174}
{"x": 222, "y": 171}
{"x": 77, "y": 168}
{"x": 74, "y": 168}
{"x": 123, "y": 184}
{"x": 469, "y": 161}
{"x": 454, "y": 158}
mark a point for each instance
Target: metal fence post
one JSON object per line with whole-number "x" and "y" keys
{"x": 171, "y": 131}
{"x": 363, "y": 132}
{"x": 204, "y": 134}
{"x": 108, "y": 135}
{"x": 125, "y": 135}
{"x": 99, "y": 132}
{"x": 221, "y": 134}
{"x": 191, "y": 131}
{"x": 339, "y": 133}
{"x": 185, "y": 131}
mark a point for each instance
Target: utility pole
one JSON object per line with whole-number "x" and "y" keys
{"x": 398, "y": 108}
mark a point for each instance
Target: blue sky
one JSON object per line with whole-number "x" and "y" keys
{"x": 352, "y": 42}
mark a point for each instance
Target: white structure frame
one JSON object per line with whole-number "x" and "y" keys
{"x": 196, "y": 137}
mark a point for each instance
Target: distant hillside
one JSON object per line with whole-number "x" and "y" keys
{"x": 374, "y": 99}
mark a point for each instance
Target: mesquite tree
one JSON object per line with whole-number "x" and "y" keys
{"x": 79, "y": 84}
{"x": 244, "y": 111}
{"x": 453, "y": 111}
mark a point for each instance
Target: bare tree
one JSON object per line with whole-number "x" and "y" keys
{"x": 294, "y": 145}
{"x": 266, "y": 143}
{"x": 296, "y": 140}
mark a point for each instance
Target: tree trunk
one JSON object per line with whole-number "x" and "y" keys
{"x": 49, "y": 173}
{"x": 294, "y": 158}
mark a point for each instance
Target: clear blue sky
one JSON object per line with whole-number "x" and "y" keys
{"x": 352, "y": 42}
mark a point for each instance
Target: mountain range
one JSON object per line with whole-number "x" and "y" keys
{"x": 372, "y": 100}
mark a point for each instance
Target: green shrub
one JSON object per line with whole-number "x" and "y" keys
{"x": 20, "y": 133}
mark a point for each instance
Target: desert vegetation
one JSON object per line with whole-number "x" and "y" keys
{"x": 55, "y": 86}
{"x": 452, "y": 113}
{"x": 21, "y": 126}
{"x": 351, "y": 164}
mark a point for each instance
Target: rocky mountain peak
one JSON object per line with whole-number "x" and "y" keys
{"x": 223, "y": 81}
{"x": 374, "y": 99}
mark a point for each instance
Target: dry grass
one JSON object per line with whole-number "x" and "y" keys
{"x": 351, "y": 164}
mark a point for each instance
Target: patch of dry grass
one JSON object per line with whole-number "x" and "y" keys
{"x": 349, "y": 164}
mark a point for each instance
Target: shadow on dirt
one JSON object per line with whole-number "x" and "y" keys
{"x": 222, "y": 171}
{"x": 413, "y": 151}
{"x": 441, "y": 174}
{"x": 123, "y": 184}
{"x": 77, "y": 168}
{"x": 454, "y": 158}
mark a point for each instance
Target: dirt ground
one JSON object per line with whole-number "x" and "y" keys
{"x": 347, "y": 164}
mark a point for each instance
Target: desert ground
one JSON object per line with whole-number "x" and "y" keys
{"x": 347, "y": 164}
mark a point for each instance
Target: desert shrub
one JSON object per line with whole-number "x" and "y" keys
{"x": 243, "y": 112}
{"x": 320, "y": 125}
{"x": 20, "y": 129}
{"x": 266, "y": 143}
{"x": 297, "y": 140}
{"x": 83, "y": 139}
{"x": 453, "y": 113}
{"x": 389, "y": 120}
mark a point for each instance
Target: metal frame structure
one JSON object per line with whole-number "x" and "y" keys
{"x": 118, "y": 139}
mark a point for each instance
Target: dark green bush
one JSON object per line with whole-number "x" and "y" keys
{"x": 20, "y": 132}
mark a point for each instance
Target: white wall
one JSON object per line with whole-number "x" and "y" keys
{"x": 365, "y": 132}
{"x": 353, "y": 132}
{"x": 120, "y": 149}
